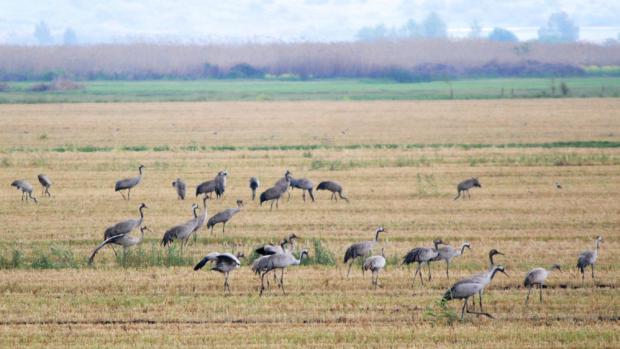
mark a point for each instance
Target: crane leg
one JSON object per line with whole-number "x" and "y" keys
{"x": 282, "y": 282}
{"x": 463, "y": 309}
{"x": 429, "y": 271}
{"x": 223, "y": 228}
{"x": 128, "y": 194}
{"x": 226, "y": 286}
{"x": 480, "y": 298}
{"x": 350, "y": 265}
{"x": 458, "y": 195}
{"x": 304, "y": 195}
{"x": 277, "y": 200}
{"x": 540, "y": 289}
{"x": 416, "y": 274}
{"x": 448, "y": 270}
{"x": 527, "y": 299}
{"x": 262, "y": 283}
{"x": 123, "y": 195}
{"x": 468, "y": 194}
{"x": 592, "y": 271}
{"x": 271, "y": 209}
{"x": 289, "y": 196}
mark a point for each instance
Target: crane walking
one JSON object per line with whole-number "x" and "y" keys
{"x": 361, "y": 249}
{"x": 128, "y": 183}
{"x": 537, "y": 277}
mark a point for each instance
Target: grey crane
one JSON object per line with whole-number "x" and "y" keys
{"x": 447, "y": 253}
{"x": 224, "y": 263}
{"x": 124, "y": 240}
{"x": 284, "y": 182}
{"x": 537, "y": 277}
{"x": 180, "y": 187}
{"x": 128, "y": 183}
{"x": 220, "y": 183}
{"x": 375, "y": 264}
{"x": 305, "y": 185}
{"x": 558, "y": 185}
{"x": 269, "y": 249}
{"x": 464, "y": 289}
{"x": 588, "y": 258}
{"x": 483, "y": 276}
{"x": 287, "y": 245}
{"x": 182, "y": 231}
{"x": 334, "y": 188}
{"x": 46, "y": 183}
{"x": 279, "y": 261}
{"x": 26, "y": 189}
{"x": 224, "y": 217}
{"x": 126, "y": 226}
{"x": 254, "y": 184}
{"x": 272, "y": 194}
{"x": 361, "y": 249}
{"x": 200, "y": 220}
{"x": 465, "y": 185}
{"x": 216, "y": 185}
{"x": 423, "y": 255}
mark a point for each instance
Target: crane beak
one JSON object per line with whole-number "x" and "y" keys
{"x": 505, "y": 273}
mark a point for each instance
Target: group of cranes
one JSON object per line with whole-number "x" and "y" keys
{"x": 464, "y": 288}
{"x": 274, "y": 257}
{"x": 27, "y": 188}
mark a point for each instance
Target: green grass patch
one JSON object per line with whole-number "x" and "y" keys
{"x": 597, "y": 85}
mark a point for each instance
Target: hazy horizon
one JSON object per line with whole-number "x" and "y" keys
{"x": 279, "y": 20}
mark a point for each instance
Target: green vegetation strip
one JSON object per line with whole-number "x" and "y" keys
{"x": 204, "y": 148}
{"x": 329, "y": 89}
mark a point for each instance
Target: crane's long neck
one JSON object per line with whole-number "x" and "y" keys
{"x": 141, "y": 236}
{"x": 140, "y": 170}
{"x": 141, "y": 213}
{"x": 491, "y": 260}
{"x": 493, "y": 272}
{"x": 598, "y": 245}
{"x": 195, "y": 214}
{"x": 377, "y": 235}
{"x": 463, "y": 248}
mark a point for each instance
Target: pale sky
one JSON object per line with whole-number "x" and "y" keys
{"x": 286, "y": 20}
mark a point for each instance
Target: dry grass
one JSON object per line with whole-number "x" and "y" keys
{"x": 518, "y": 211}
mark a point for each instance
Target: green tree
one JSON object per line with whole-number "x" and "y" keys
{"x": 504, "y": 35}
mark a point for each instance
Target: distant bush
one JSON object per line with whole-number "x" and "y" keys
{"x": 4, "y": 87}
{"x": 244, "y": 71}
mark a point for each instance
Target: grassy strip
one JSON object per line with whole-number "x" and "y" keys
{"x": 308, "y": 147}
{"x": 144, "y": 256}
{"x": 329, "y": 89}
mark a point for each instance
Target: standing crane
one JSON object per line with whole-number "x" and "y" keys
{"x": 124, "y": 240}
{"x": 423, "y": 255}
{"x": 125, "y": 227}
{"x": 254, "y": 184}
{"x": 305, "y": 185}
{"x": 180, "y": 187}
{"x": 182, "y": 231}
{"x": 26, "y": 189}
{"x": 483, "y": 276}
{"x": 447, "y": 253}
{"x": 128, "y": 183}
{"x": 224, "y": 263}
{"x": 279, "y": 261}
{"x": 46, "y": 183}
{"x": 224, "y": 216}
{"x": 375, "y": 264}
{"x": 537, "y": 276}
{"x": 200, "y": 220}
{"x": 361, "y": 249}
{"x": 588, "y": 258}
{"x": 465, "y": 289}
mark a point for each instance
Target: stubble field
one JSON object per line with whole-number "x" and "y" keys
{"x": 399, "y": 163}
